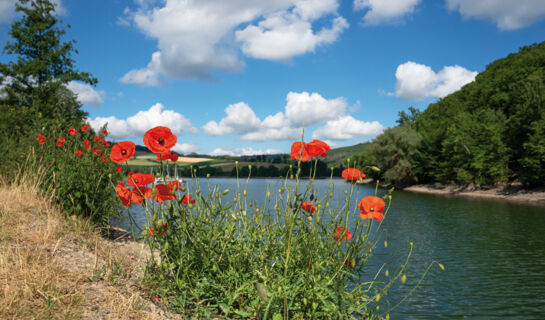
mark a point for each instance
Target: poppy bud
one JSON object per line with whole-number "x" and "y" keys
{"x": 226, "y": 191}
{"x": 385, "y": 244}
{"x": 377, "y": 169}
{"x": 442, "y": 267}
{"x": 403, "y": 279}
{"x": 387, "y": 273}
{"x": 377, "y": 298}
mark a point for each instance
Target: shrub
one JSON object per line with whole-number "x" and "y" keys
{"x": 294, "y": 256}
{"x": 78, "y": 171}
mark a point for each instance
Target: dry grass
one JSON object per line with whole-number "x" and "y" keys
{"x": 57, "y": 268}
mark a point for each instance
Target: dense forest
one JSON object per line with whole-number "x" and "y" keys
{"x": 492, "y": 130}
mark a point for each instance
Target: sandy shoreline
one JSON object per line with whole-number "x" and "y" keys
{"x": 511, "y": 193}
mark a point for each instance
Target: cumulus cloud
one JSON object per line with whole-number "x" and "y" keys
{"x": 185, "y": 148}
{"x": 86, "y": 94}
{"x": 135, "y": 126}
{"x": 247, "y": 151}
{"x": 240, "y": 119}
{"x": 197, "y": 38}
{"x": 346, "y": 127}
{"x": 301, "y": 110}
{"x": 384, "y": 11}
{"x": 417, "y": 81}
{"x": 7, "y": 9}
{"x": 506, "y": 14}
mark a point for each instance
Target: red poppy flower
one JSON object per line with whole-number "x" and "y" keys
{"x": 41, "y": 139}
{"x": 150, "y": 232}
{"x": 142, "y": 191}
{"x": 106, "y": 144}
{"x": 371, "y": 208}
{"x": 78, "y": 152}
{"x": 61, "y": 141}
{"x": 140, "y": 179}
{"x": 340, "y": 231}
{"x": 299, "y": 150}
{"x": 162, "y": 193}
{"x": 122, "y": 151}
{"x": 118, "y": 169}
{"x": 174, "y": 185}
{"x": 163, "y": 156}
{"x": 352, "y": 174}
{"x": 159, "y": 139}
{"x": 163, "y": 228}
{"x": 188, "y": 199}
{"x": 104, "y": 132}
{"x": 174, "y": 157}
{"x": 104, "y": 159}
{"x": 123, "y": 193}
{"x": 308, "y": 207}
{"x": 97, "y": 151}
{"x": 72, "y": 132}
{"x": 85, "y": 128}
{"x": 317, "y": 148}
{"x": 87, "y": 144}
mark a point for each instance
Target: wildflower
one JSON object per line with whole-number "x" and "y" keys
{"x": 159, "y": 139}
{"x": 163, "y": 193}
{"x": 308, "y": 207}
{"x": 104, "y": 159}
{"x": 72, "y": 132}
{"x": 371, "y": 208}
{"x": 174, "y": 157}
{"x": 41, "y": 139}
{"x": 97, "y": 138}
{"x": 352, "y": 174}
{"x": 122, "y": 151}
{"x": 163, "y": 156}
{"x": 87, "y": 144}
{"x": 150, "y": 232}
{"x": 85, "y": 128}
{"x": 344, "y": 232}
{"x": 174, "y": 185}
{"x": 106, "y": 144}
{"x": 60, "y": 142}
{"x": 142, "y": 192}
{"x": 118, "y": 169}
{"x": 124, "y": 194}
{"x": 350, "y": 263}
{"x": 104, "y": 132}
{"x": 78, "y": 152}
{"x": 306, "y": 151}
{"x": 140, "y": 179}
{"x": 318, "y": 148}
{"x": 97, "y": 151}
{"x": 188, "y": 199}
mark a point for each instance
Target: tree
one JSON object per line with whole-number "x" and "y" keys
{"x": 35, "y": 93}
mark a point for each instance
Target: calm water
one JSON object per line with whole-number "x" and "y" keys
{"x": 494, "y": 253}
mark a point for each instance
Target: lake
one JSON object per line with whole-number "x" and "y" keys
{"x": 493, "y": 252}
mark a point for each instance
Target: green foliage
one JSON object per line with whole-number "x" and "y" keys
{"x": 394, "y": 151}
{"x": 81, "y": 184}
{"x": 238, "y": 259}
{"x": 34, "y": 94}
{"x": 491, "y": 130}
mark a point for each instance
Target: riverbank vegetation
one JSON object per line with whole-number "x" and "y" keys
{"x": 490, "y": 131}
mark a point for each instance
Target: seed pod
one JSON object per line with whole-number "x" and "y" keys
{"x": 377, "y": 298}
{"x": 387, "y": 273}
{"x": 244, "y": 193}
{"x": 226, "y": 191}
{"x": 403, "y": 279}
{"x": 385, "y": 244}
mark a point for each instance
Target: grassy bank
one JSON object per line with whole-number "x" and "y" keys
{"x": 52, "y": 267}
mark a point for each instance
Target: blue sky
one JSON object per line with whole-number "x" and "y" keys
{"x": 242, "y": 77}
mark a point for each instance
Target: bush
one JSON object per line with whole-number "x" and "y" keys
{"x": 78, "y": 171}
{"x": 292, "y": 257}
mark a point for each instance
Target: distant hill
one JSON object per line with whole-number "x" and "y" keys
{"x": 338, "y": 156}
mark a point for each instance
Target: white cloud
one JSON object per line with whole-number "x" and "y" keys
{"x": 240, "y": 119}
{"x": 308, "y": 109}
{"x": 136, "y": 125}
{"x": 385, "y": 11}
{"x": 7, "y": 9}
{"x": 506, "y": 14}
{"x": 86, "y": 94}
{"x": 185, "y": 148}
{"x": 197, "y": 38}
{"x": 283, "y": 36}
{"x": 247, "y": 151}
{"x": 301, "y": 109}
{"x": 346, "y": 127}
{"x": 417, "y": 81}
